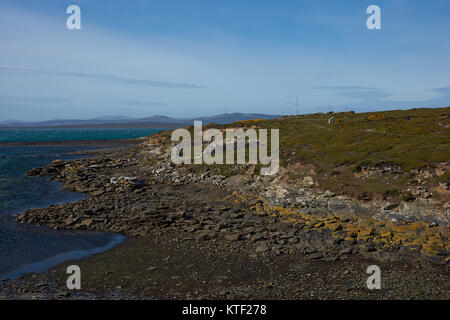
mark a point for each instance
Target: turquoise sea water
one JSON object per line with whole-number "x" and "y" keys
{"x": 26, "y": 248}
{"x": 21, "y": 135}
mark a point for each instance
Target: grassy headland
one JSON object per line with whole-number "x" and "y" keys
{"x": 338, "y": 155}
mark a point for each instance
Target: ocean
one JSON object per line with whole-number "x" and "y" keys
{"x": 29, "y": 248}
{"x": 36, "y": 135}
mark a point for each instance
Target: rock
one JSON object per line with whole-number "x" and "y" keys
{"x": 386, "y": 234}
{"x": 98, "y": 192}
{"x": 391, "y": 206}
{"x": 256, "y": 237}
{"x": 276, "y": 247}
{"x": 316, "y": 256}
{"x": 335, "y": 226}
{"x": 126, "y": 181}
{"x": 206, "y": 235}
{"x": 331, "y": 258}
{"x": 346, "y": 250}
{"x": 307, "y": 182}
{"x": 62, "y": 294}
{"x": 262, "y": 248}
{"x": 33, "y": 296}
{"x": 336, "y": 205}
{"x": 309, "y": 250}
{"x": 236, "y": 180}
{"x": 365, "y": 233}
{"x": 384, "y": 256}
{"x": 70, "y": 221}
{"x": 86, "y": 223}
{"x": 329, "y": 194}
{"x": 433, "y": 259}
{"x": 34, "y": 172}
{"x": 233, "y": 237}
{"x": 368, "y": 248}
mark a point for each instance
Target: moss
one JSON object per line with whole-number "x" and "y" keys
{"x": 444, "y": 177}
{"x": 392, "y": 192}
{"x": 335, "y": 172}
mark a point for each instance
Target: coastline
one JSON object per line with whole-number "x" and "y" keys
{"x": 184, "y": 227}
{"x": 88, "y": 242}
{"x": 44, "y": 265}
{"x": 101, "y": 143}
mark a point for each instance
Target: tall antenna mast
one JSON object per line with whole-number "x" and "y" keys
{"x": 297, "y": 105}
{"x": 300, "y": 105}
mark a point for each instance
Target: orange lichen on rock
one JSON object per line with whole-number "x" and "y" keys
{"x": 417, "y": 235}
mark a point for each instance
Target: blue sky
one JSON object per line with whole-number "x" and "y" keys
{"x": 190, "y": 58}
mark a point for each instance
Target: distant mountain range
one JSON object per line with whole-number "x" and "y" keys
{"x": 156, "y": 121}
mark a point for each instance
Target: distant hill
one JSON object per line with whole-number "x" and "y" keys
{"x": 158, "y": 121}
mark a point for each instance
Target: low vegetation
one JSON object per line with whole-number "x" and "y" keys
{"x": 413, "y": 139}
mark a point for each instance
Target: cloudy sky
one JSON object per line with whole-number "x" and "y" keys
{"x": 188, "y": 58}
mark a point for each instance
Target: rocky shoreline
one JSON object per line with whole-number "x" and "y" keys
{"x": 264, "y": 220}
